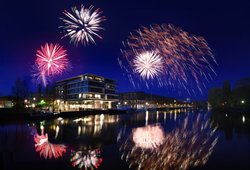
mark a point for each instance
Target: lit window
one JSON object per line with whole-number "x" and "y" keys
{"x": 80, "y": 95}
{"x": 98, "y": 96}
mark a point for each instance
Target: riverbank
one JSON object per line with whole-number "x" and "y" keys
{"x": 14, "y": 115}
{"x": 231, "y": 110}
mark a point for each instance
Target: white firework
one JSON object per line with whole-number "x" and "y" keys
{"x": 82, "y": 25}
{"x": 148, "y": 64}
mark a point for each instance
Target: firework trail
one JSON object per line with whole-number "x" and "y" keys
{"x": 183, "y": 60}
{"x": 89, "y": 159}
{"x": 82, "y": 25}
{"x": 39, "y": 76}
{"x": 187, "y": 146}
{"x": 51, "y": 61}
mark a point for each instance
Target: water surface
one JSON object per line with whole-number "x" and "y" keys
{"x": 178, "y": 139}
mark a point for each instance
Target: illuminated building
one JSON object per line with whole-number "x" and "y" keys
{"x": 86, "y": 91}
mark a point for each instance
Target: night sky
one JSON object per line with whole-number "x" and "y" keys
{"x": 28, "y": 24}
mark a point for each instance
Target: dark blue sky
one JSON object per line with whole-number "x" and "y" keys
{"x": 26, "y": 25}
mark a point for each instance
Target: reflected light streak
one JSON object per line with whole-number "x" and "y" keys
{"x": 243, "y": 119}
{"x": 146, "y": 118}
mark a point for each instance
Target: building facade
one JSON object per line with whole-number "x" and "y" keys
{"x": 86, "y": 91}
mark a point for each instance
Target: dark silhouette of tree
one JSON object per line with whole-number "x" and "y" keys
{"x": 239, "y": 97}
{"x": 215, "y": 97}
{"x": 39, "y": 92}
{"x": 226, "y": 94}
{"x": 20, "y": 91}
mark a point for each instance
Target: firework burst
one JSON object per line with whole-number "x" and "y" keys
{"x": 186, "y": 60}
{"x": 148, "y": 64}
{"x": 51, "y": 61}
{"x": 82, "y": 25}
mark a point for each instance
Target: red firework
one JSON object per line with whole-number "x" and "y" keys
{"x": 51, "y": 59}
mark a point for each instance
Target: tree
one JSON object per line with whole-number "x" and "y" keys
{"x": 215, "y": 97}
{"x": 20, "y": 90}
{"x": 226, "y": 93}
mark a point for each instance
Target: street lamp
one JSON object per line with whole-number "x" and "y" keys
{"x": 242, "y": 101}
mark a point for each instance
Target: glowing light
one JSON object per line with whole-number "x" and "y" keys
{"x": 82, "y": 25}
{"x": 89, "y": 159}
{"x": 242, "y": 101}
{"x": 148, "y": 137}
{"x": 243, "y": 119}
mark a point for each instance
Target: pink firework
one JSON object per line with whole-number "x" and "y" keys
{"x": 47, "y": 149}
{"x": 51, "y": 59}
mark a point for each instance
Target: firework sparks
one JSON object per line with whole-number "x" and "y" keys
{"x": 82, "y": 25}
{"x": 186, "y": 60}
{"x": 187, "y": 146}
{"x": 51, "y": 61}
{"x": 148, "y": 64}
{"x": 89, "y": 159}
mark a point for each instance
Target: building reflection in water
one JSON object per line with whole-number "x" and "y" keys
{"x": 86, "y": 159}
{"x": 232, "y": 124}
{"x": 45, "y": 148}
{"x": 186, "y": 146}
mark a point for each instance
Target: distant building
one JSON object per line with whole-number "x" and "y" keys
{"x": 242, "y": 82}
{"x": 8, "y": 101}
{"x": 140, "y": 100}
{"x": 86, "y": 91}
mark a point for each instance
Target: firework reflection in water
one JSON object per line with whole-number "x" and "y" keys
{"x": 45, "y": 148}
{"x": 89, "y": 159}
{"x": 187, "y": 146}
